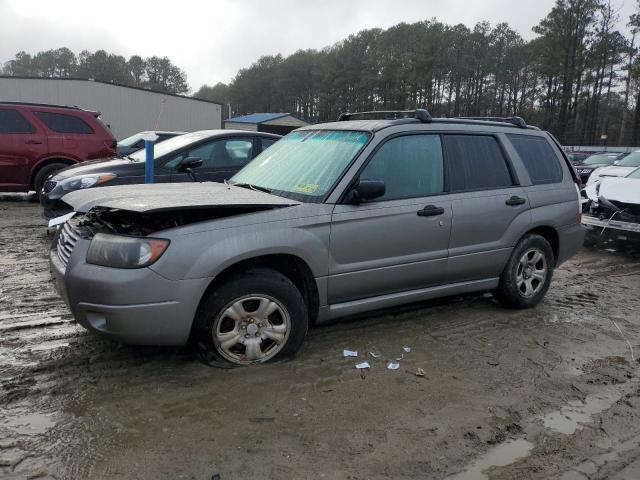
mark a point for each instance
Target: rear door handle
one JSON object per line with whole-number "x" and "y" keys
{"x": 515, "y": 201}
{"x": 33, "y": 142}
{"x": 430, "y": 211}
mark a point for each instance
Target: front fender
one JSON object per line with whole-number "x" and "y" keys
{"x": 206, "y": 254}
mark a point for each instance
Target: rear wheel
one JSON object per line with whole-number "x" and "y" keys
{"x": 254, "y": 317}
{"x": 527, "y": 275}
{"x": 43, "y": 174}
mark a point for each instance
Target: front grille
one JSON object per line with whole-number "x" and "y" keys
{"x": 67, "y": 239}
{"x": 48, "y": 186}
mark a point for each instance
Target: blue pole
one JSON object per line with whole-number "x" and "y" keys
{"x": 148, "y": 164}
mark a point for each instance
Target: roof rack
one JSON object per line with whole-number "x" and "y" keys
{"x": 421, "y": 114}
{"x": 32, "y": 104}
{"x": 517, "y": 121}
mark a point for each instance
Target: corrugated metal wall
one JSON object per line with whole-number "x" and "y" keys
{"x": 125, "y": 110}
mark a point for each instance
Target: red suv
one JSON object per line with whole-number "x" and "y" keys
{"x": 36, "y": 140}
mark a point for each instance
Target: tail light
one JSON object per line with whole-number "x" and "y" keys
{"x": 112, "y": 144}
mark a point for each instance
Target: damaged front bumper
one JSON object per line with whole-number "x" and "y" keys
{"x": 136, "y": 306}
{"x": 591, "y": 221}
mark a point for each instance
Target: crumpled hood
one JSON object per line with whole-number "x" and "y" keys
{"x": 171, "y": 196}
{"x": 625, "y": 190}
{"x": 615, "y": 171}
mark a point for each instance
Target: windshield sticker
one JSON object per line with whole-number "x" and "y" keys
{"x": 308, "y": 188}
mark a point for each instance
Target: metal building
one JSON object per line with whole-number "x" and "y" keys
{"x": 279, "y": 123}
{"x": 126, "y": 110}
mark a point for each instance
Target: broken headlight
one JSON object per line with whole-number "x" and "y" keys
{"x": 84, "y": 181}
{"x": 119, "y": 251}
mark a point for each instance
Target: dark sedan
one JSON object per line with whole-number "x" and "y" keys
{"x": 217, "y": 154}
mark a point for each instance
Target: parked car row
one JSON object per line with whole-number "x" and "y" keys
{"x": 215, "y": 154}
{"x": 603, "y": 163}
{"x": 332, "y": 220}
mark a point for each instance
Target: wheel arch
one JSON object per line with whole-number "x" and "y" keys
{"x": 550, "y": 234}
{"x": 48, "y": 161}
{"x": 289, "y": 265}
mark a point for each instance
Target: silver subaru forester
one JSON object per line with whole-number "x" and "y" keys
{"x": 332, "y": 220}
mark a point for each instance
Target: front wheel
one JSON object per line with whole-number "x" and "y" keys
{"x": 254, "y": 317}
{"x": 527, "y": 275}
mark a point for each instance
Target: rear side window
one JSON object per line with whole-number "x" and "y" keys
{"x": 62, "y": 123}
{"x": 410, "y": 166}
{"x": 12, "y": 121}
{"x": 476, "y": 162}
{"x": 538, "y": 157}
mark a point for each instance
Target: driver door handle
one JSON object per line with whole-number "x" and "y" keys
{"x": 33, "y": 142}
{"x": 430, "y": 211}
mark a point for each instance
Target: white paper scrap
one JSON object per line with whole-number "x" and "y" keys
{"x": 362, "y": 365}
{"x": 374, "y": 355}
{"x": 406, "y": 349}
{"x": 349, "y": 353}
{"x": 393, "y": 366}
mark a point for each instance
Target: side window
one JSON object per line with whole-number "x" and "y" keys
{"x": 538, "y": 157}
{"x": 62, "y": 123}
{"x": 267, "y": 142}
{"x": 12, "y": 121}
{"x": 238, "y": 152}
{"x": 475, "y": 162}
{"x": 223, "y": 153}
{"x": 410, "y": 166}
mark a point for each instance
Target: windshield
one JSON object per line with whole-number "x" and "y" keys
{"x": 631, "y": 160}
{"x": 305, "y": 163}
{"x": 170, "y": 145}
{"x": 600, "y": 160}
{"x": 127, "y": 142}
{"x": 634, "y": 174}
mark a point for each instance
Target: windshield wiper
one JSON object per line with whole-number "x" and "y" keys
{"x": 256, "y": 188}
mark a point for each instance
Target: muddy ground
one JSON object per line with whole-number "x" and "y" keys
{"x": 546, "y": 393}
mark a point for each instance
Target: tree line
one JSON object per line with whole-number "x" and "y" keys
{"x": 579, "y": 77}
{"x": 154, "y": 73}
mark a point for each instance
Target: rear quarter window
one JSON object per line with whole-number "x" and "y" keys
{"x": 475, "y": 162}
{"x": 538, "y": 157}
{"x": 62, "y": 123}
{"x": 12, "y": 121}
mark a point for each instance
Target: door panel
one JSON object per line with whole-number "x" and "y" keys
{"x": 21, "y": 146}
{"x": 387, "y": 247}
{"x": 484, "y": 231}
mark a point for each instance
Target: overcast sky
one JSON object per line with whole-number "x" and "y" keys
{"x": 211, "y": 40}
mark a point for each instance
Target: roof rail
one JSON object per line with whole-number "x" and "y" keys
{"x": 517, "y": 121}
{"x": 32, "y": 104}
{"x": 421, "y": 114}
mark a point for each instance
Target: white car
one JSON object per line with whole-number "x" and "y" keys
{"x": 620, "y": 168}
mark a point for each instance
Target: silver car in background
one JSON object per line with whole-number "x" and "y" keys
{"x": 335, "y": 219}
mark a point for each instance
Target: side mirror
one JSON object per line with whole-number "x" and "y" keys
{"x": 189, "y": 163}
{"x": 366, "y": 189}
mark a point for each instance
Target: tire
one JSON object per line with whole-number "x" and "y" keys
{"x": 521, "y": 285}
{"x": 232, "y": 312}
{"x": 44, "y": 173}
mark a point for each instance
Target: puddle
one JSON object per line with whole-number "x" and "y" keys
{"x": 499, "y": 456}
{"x": 568, "y": 419}
{"x": 34, "y": 424}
